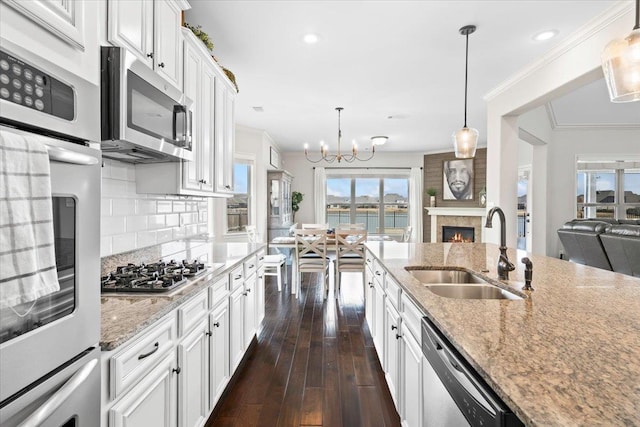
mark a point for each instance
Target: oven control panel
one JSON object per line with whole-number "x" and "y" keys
{"x": 26, "y": 85}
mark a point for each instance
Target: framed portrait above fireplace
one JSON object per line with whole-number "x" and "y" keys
{"x": 457, "y": 179}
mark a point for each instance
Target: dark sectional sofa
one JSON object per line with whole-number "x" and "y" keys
{"x": 607, "y": 244}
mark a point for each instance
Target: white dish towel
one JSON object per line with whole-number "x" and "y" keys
{"x": 27, "y": 251}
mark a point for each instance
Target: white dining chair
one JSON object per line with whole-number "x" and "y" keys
{"x": 311, "y": 256}
{"x": 349, "y": 252}
{"x": 272, "y": 263}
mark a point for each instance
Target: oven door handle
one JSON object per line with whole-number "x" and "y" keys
{"x": 55, "y": 401}
{"x": 59, "y": 154}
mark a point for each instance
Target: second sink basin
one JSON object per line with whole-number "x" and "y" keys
{"x": 445, "y": 276}
{"x": 461, "y": 284}
{"x": 472, "y": 291}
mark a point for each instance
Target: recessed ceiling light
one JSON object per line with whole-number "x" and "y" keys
{"x": 545, "y": 35}
{"x": 311, "y": 38}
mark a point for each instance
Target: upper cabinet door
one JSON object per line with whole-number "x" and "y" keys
{"x": 193, "y": 91}
{"x": 131, "y": 26}
{"x": 167, "y": 41}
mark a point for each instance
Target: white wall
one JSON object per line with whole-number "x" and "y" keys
{"x": 573, "y": 63}
{"x": 302, "y": 171}
{"x": 255, "y": 144}
{"x": 132, "y": 221}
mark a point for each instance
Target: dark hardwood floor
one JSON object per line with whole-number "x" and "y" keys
{"x": 314, "y": 364}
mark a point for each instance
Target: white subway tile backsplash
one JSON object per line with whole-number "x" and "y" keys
{"x": 130, "y": 220}
{"x": 120, "y": 170}
{"x": 136, "y": 223}
{"x": 146, "y": 238}
{"x": 165, "y": 206}
{"x": 172, "y": 220}
{"x": 110, "y": 225}
{"x": 105, "y": 207}
{"x": 156, "y": 221}
{"x": 123, "y": 242}
{"x": 123, "y": 207}
{"x": 179, "y": 206}
{"x": 145, "y": 207}
{"x": 113, "y": 187}
{"x": 164, "y": 235}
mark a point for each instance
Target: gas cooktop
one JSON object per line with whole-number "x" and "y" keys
{"x": 151, "y": 278}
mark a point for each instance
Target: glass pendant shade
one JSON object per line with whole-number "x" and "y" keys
{"x": 465, "y": 142}
{"x": 621, "y": 67}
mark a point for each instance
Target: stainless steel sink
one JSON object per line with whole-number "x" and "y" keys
{"x": 472, "y": 291}
{"x": 445, "y": 276}
{"x": 461, "y": 284}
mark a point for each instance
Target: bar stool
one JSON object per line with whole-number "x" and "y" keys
{"x": 272, "y": 263}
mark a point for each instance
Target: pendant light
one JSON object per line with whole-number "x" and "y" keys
{"x": 621, "y": 65}
{"x": 465, "y": 140}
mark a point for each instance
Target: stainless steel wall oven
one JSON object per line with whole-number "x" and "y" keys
{"x": 49, "y": 352}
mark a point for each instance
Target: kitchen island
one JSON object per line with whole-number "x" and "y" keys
{"x": 567, "y": 354}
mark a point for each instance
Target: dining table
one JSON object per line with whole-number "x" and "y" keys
{"x": 288, "y": 244}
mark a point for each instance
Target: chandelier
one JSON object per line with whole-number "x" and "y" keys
{"x": 621, "y": 65}
{"x": 465, "y": 140}
{"x": 330, "y": 158}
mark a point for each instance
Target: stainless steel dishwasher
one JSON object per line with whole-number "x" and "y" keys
{"x": 454, "y": 394}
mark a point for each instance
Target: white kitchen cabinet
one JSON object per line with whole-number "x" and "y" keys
{"x": 210, "y": 173}
{"x": 249, "y": 309}
{"x": 152, "y": 401}
{"x": 236, "y": 328}
{"x": 411, "y": 381}
{"x": 392, "y": 350}
{"x": 260, "y": 301}
{"x": 219, "y": 351}
{"x": 368, "y": 297}
{"x": 224, "y": 136}
{"x": 151, "y": 30}
{"x": 193, "y": 378}
{"x": 378, "y": 319}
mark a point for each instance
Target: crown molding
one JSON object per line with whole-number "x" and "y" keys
{"x": 555, "y": 125}
{"x": 592, "y": 27}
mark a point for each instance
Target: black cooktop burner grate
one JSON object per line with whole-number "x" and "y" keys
{"x": 157, "y": 277}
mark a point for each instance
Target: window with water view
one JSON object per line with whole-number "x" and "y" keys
{"x": 381, "y": 203}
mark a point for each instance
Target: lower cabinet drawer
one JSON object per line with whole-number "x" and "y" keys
{"x": 236, "y": 278}
{"x": 191, "y": 312}
{"x": 393, "y": 291}
{"x": 136, "y": 359}
{"x": 411, "y": 317}
{"x": 219, "y": 291}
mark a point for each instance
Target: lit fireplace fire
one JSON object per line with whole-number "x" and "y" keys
{"x": 459, "y": 238}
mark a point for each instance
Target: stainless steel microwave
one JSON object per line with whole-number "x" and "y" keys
{"x": 144, "y": 119}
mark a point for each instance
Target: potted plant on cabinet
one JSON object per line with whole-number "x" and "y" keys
{"x": 432, "y": 196}
{"x": 296, "y": 198}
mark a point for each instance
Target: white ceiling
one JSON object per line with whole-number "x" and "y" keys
{"x": 397, "y": 67}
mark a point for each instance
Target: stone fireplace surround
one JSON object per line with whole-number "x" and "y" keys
{"x": 458, "y": 217}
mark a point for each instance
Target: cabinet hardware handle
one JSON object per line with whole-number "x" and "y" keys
{"x": 398, "y": 336}
{"x": 248, "y": 290}
{"x": 161, "y": 65}
{"x": 142, "y": 356}
{"x": 393, "y": 327}
{"x": 227, "y": 187}
{"x": 245, "y": 293}
{"x": 176, "y": 370}
{"x": 208, "y": 333}
{"x": 261, "y": 258}
{"x": 150, "y": 55}
{"x": 239, "y": 276}
{"x": 260, "y": 277}
{"x": 378, "y": 273}
{"x": 217, "y": 324}
{"x": 370, "y": 285}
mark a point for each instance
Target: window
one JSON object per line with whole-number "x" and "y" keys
{"x": 239, "y": 205}
{"x": 608, "y": 190}
{"x": 379, "y": 202}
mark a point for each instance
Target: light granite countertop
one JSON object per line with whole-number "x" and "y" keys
{"x": 125, "y": 315}
{"x": 568, "y": 355}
